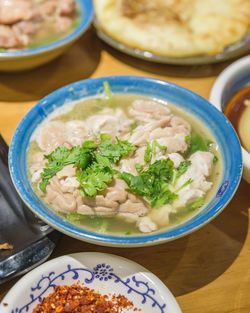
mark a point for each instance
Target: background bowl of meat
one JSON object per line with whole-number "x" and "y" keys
{"x": 232, "y": 85}
{"x": 35, "y": 32}
{"x": 228, "y": 175}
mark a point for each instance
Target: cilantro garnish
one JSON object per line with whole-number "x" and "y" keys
{"x": 96, "y": 177}
{"x": 153, "y": 183}
{"x": 215, "y": 159}
{"x": 181, "y": 169}
{"x": 148, "y": 153}
{"x": 114, "y": 151}
{"x": 196, "y": 204}
{"x": 107, "y": 90}
{"x": 93, "y": 162}
{"x": 196, "y": 143}
{"x": 62, "y": 157}
{"x": 151, "y": 150}
{"x": 188, "y": 182}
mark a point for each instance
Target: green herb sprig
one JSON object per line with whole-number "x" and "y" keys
{"x": 92, "y": 160}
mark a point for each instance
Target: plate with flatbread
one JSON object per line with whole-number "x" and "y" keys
{"x": 175, "y": 31}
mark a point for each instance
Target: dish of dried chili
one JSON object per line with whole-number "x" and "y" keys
{"x": 81, "y": 299}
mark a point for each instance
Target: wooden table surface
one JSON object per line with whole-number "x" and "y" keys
{"x": 209, "y": 270}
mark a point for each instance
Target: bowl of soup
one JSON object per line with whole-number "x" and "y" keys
{"x": 35, "y": 32}
{"x": 125, "y": 161}
{"x": 231, "y": 95}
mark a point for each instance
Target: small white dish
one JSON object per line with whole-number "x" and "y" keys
{"x": 232, "y": 79}
{"x": 103, "y": 272}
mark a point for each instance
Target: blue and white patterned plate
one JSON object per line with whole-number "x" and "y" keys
{"x": 103, "y": 272}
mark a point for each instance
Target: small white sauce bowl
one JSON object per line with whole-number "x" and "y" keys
{"x": 232, "y": 79}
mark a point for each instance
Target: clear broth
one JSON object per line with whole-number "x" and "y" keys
{"x": 84, "y": 108}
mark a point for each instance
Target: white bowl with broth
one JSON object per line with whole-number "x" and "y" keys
{"x": 234, "y": 80}
{"x": 145, "y": 168}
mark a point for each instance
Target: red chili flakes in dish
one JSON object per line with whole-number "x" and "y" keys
{"x": 80, "y": 299}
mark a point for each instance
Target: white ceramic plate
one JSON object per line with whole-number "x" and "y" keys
{"x": 103, "y": 272}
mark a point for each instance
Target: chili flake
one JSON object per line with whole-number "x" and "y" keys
{"x": 81, "y": 299}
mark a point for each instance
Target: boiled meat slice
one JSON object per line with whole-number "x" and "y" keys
{"x": 51, "y": 135}
{"x": 146, "y": 225}
{"x": 13, "y": 11}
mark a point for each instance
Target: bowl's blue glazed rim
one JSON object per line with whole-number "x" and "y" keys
{"x": 86, "y": 17}
{"x": 225, "y": 193}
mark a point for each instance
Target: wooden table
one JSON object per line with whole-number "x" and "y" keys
{"x": 209, "y": 270}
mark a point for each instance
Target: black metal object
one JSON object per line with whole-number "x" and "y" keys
{"x": 33, "y": 241}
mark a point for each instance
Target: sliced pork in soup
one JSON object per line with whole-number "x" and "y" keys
{"x": 124, "y": 164}
{"x": 29, "y": 23}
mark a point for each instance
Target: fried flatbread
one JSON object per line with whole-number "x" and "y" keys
{"x": 175, "y": 28}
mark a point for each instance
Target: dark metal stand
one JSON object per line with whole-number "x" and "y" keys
{"x": 33, "y": 241}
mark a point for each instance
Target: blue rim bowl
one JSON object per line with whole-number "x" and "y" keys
{"x": 86, "y": 16}
{"x": 214, "y": 120}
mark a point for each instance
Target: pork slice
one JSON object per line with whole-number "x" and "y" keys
{"x": 23, "y": 31}
{"x": 85, "y": 210}
{"x": 128, "y": 165}
{"x": 128, "y": 217}
{"x": 101, "y": 201}
{"x": 66, "y": 7}
{"x": 174, "y": 144}
{"x": 202, "y": 162}
{"x": 117, "y": 195}
{"x": 60, "y": 201}
{"x": 113, "y": 122}
{"x": 47, "y": 8}
{"x": 160, "y": 216}
{"x": 104, "y": 211}
{"x": 155, "y": 109}
{"x": 181, "y": 124}
{"x": 141, "y": 134}
{"x": 67, "y": 171}
{"x": 76, "y": 132}
{"x": 51, "y": 135}
{"x": 146, "y": 225}
{"x": 176, "y": 158}
{"x": 137, "y": 208}
{"x": 13, "y": 11}
{"x": 65, "y": 203}
{"x": 69, "y": 184}
{"x": 198, "y": 172}
{"x": 63, "y": 24}
{"x": 8, "y": 38}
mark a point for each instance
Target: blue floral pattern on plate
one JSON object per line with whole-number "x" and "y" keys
{"x": 102, "y": 272}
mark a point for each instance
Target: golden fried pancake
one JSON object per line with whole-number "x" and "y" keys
{"x": 175, "y": 28}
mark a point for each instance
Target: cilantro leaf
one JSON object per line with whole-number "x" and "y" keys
{"x": 196, "y": 204}
{"x": 188, "y": 182}
{"x": 182, "y": 168}
{"x": 148, "y": 153}
{"x": 155, "y": 144}
{"x": 107, "y": 90}
{"x": 92, "y": 161}
{"x": 132, "y": 127}
{"x": 60, "y": 158}
{"x": 96, "y": 177}
{"x": 196, "y": 143}
{"x": 152, "y": 183}
{"x": 151, "y": 150}
{"x": 215, "y": 159}
{"x": 114, "y": 151}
